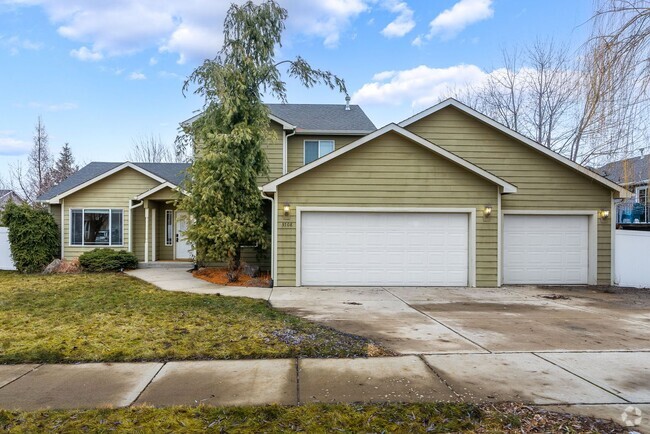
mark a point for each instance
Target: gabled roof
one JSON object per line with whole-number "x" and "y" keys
{"x": 324, "y": 117}
{"x": 450, "y": 102}
{"x": 630, "y": 171}
{"x": 317, "y": 118}
{"x": 93, "y": 172}
{"x": 271, "y": 187}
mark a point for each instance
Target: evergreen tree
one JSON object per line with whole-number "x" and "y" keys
{"x": 64, "y": 165}
{"x": 224, "y": 200}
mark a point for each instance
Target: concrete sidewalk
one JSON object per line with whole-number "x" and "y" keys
{"x": 585, "y": 381}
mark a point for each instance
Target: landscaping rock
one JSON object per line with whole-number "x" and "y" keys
{"x": 53, "y": 267}
{"x": 250, "y": 270}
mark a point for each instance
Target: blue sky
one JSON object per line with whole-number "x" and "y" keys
{"x": 103, "y": 73}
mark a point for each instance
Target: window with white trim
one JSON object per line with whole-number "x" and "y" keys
{"x": 169, "y": 227}
{"x": 642, "y": 195}
{"x": 314, "y": 149}
{"x": 96, "y": 227}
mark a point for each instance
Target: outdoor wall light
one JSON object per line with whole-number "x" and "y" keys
{"x": 287, "y": 209}
{"x": 487, "y": 211}
{"x": 604, "y": 214}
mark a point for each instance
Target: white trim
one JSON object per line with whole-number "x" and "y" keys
{"x": 83, "y": 233}
{"x": 274, "y": 241}
{"x": 304, "y": 150}
{"x": 56, "y": 199}
{"x": 146, "y": 234}
{"x": 592, "y": 273}
{"x": 637, "y": 190}
{"x": 612, "y": 217}
{"x": 273, "y": 234}
{"x": 153, "y": 234}
{"x": 471, "y": 260}
{"x": 131, "y": 208}
{"x": 62, "y": 228}
{"x": 540, "y": 148}
{"x": 285, "y": 125}
{"x": 169, "y": 212}
{"x": 284, "y": 152}
{"x": 271, "y": 187}
{"x": 157, "y": 189}
{"x": 334, "y": 132}
{"x": 499, "y": 230}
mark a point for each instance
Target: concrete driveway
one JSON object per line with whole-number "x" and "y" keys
{"x": 480, "y": 320}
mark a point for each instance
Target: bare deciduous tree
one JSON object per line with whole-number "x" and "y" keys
{"x": 151, "y": 149}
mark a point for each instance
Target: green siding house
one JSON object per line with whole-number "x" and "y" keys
{"x": 448, "y": 197}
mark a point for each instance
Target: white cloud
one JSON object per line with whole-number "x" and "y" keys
{"x": 404, "y": 22}
{"x": 167, "y": 74}
{"x": 153, "y": 61}
{"x": 419, "y": 87}
{"x": 137, "y": 76}
{"x": 190, "y": 29}
{"x": 52, "y": 107}
{"x": 15, "y": 44}
{"x": 13, "y": 146}
{"x": 417, "y": 42}
{"x": 452, "y": 21}
{"x": 86, "y": 54}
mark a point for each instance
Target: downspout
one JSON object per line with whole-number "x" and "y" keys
{"x": 285, "y": 150}
{"x": 273, "y": 236}
{"x": 131, "y": 208}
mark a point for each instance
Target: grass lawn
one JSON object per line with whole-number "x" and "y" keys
{"x": 113, "y": 317}
{"x": 315, "y": 418}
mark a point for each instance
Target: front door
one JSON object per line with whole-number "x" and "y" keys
{"x": 183, "y": 247}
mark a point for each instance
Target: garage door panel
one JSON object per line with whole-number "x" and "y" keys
{"x": 545, "y": 249}
{"x": 401, "y": 249}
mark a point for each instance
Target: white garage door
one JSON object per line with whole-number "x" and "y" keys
{"x": 392, "y": 249}
{"x": 545, "y": 249}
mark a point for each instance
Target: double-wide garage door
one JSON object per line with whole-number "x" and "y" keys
{"x": 384, "y": 248}
{"x": 545, "y": 249}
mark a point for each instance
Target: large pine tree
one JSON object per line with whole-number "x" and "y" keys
{"x": 224, "y": 200}
{"x": 64, "y": 165}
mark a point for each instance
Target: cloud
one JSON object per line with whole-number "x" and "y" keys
{"x": 86, "y": 54}
{"x": 167, "y": 74}
{"x": 13, "y": 146}
{"x": 190, "y": 29}
{"x": 404, "y": 22}
{"x": 137, "y": 76}
{"x": 417, "y": 42}
{"x": 48, "y": 107}
{"x": 452, "y": 21}
{"x": 419, "y": 87}
{"x": 15, "y": 44}
{"x": 153, "y": 61}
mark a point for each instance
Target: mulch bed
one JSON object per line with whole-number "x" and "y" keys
{"x": 219, "y": 276}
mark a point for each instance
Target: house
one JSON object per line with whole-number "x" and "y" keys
{"x": 448, "y": 197}
{"x": 8, "y": 195}
{"x": 633, "y": 174}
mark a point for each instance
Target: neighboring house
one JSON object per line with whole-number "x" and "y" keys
{"x": 8, "y": 195}
{"x": 448, "y": 197}
{"x": 633, "y": 174}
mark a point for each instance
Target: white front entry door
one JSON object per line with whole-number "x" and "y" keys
{"x": 183, "y": 247}
{"x": 384, "y": 248}
{"x": 545, "y": 249}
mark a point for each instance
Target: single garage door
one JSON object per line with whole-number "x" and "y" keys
{"x": 390, "y": 249}
{"x": 545, "y": 249}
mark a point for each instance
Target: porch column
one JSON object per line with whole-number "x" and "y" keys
{"x": 146, "y": 232}
{"x": 153, "y": 234}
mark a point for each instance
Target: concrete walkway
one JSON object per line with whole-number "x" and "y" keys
{"x": 565, "y": 382}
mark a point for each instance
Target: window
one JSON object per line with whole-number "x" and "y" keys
{"x": 169, "y": 227}
{"x": 642, "y": 195}
{"x": 314, "y": 149}
{"x": 96, "y": 227}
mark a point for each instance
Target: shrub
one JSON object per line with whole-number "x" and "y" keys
{"x": 33, "y": 237}
{"x": 99, "y": 260}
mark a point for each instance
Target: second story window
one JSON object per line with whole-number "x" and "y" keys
{"x": 314, "y": 149}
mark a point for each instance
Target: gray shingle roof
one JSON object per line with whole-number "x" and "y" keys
{"x": 323, "y": 117}
{"x": 638, "y": 170}
{"x": 171, "y": 172}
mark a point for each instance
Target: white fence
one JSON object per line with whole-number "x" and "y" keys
{"x": 632, "y": 259}
{"x": 5, "y": 253}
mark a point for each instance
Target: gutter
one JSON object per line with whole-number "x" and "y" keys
{"x": 273, "y": 236}
{"x": 131, "y": 208}
{"x": 285, "y": 150}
